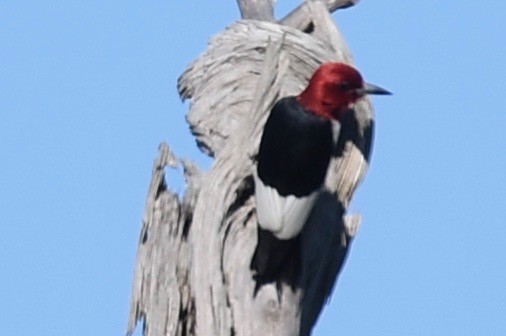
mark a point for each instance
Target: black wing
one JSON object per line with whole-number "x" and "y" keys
{"x": 295, "y": 149}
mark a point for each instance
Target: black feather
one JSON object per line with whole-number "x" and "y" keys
{"x": 293, "y": 158}
{"x": 295, "y": 149}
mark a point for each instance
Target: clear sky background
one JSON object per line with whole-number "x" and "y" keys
{"x": 87, "y": 92}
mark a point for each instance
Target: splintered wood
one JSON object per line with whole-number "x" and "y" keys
{"x": 192, "y": 273}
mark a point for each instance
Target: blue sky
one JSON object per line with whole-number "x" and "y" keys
{"x": 87, "y": 92}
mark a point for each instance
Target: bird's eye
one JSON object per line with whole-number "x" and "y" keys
{"x": 343, "y": 86}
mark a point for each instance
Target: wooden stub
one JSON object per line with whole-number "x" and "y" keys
{"x": 192, "y": 275}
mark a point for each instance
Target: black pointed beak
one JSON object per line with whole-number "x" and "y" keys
{"x": 372, "y": 89}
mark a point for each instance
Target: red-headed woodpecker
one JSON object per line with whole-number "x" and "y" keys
{"x": 295, "y": 151}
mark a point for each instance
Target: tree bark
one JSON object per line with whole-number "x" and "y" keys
{"x": 192, "y": 274}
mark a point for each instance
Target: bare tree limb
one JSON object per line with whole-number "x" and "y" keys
{"x": 192, "y": 274}
{"x": 299, "y": 18}
{"x": 208, "y": 232}
{"x": 160, "y": 293}
{"x": 262, "y": 10}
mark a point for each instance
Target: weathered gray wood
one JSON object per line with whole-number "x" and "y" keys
{"x": 233, "y": 61}
{"x": 192, "y": 274}
{"x": 262, "y": 10}
{"x": 160, "y": 295}
{"x": 300, "y": 17}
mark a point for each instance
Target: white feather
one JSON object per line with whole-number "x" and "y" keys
{"x": 284, "y": 216}
{"x": 336, "y": 129}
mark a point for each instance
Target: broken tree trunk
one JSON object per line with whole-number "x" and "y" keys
{"x": 192, "y": 273}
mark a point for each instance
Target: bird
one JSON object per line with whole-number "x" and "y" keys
{"x": 297, "y": 143}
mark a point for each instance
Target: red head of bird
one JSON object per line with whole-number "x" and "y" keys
{"x": 333, "y": 88}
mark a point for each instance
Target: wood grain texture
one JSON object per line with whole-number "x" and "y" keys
{"x": 257, "y": 9}
{"x": 160, "y": 293}
{"x": 301, "y": 18}
{"x": 192, "y": 273}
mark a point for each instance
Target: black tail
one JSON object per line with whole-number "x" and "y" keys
{"x": 275, "y": 260}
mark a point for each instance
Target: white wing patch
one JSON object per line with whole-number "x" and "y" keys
{"x": 336, "y": 129}
{"x": 284, "y": 216}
